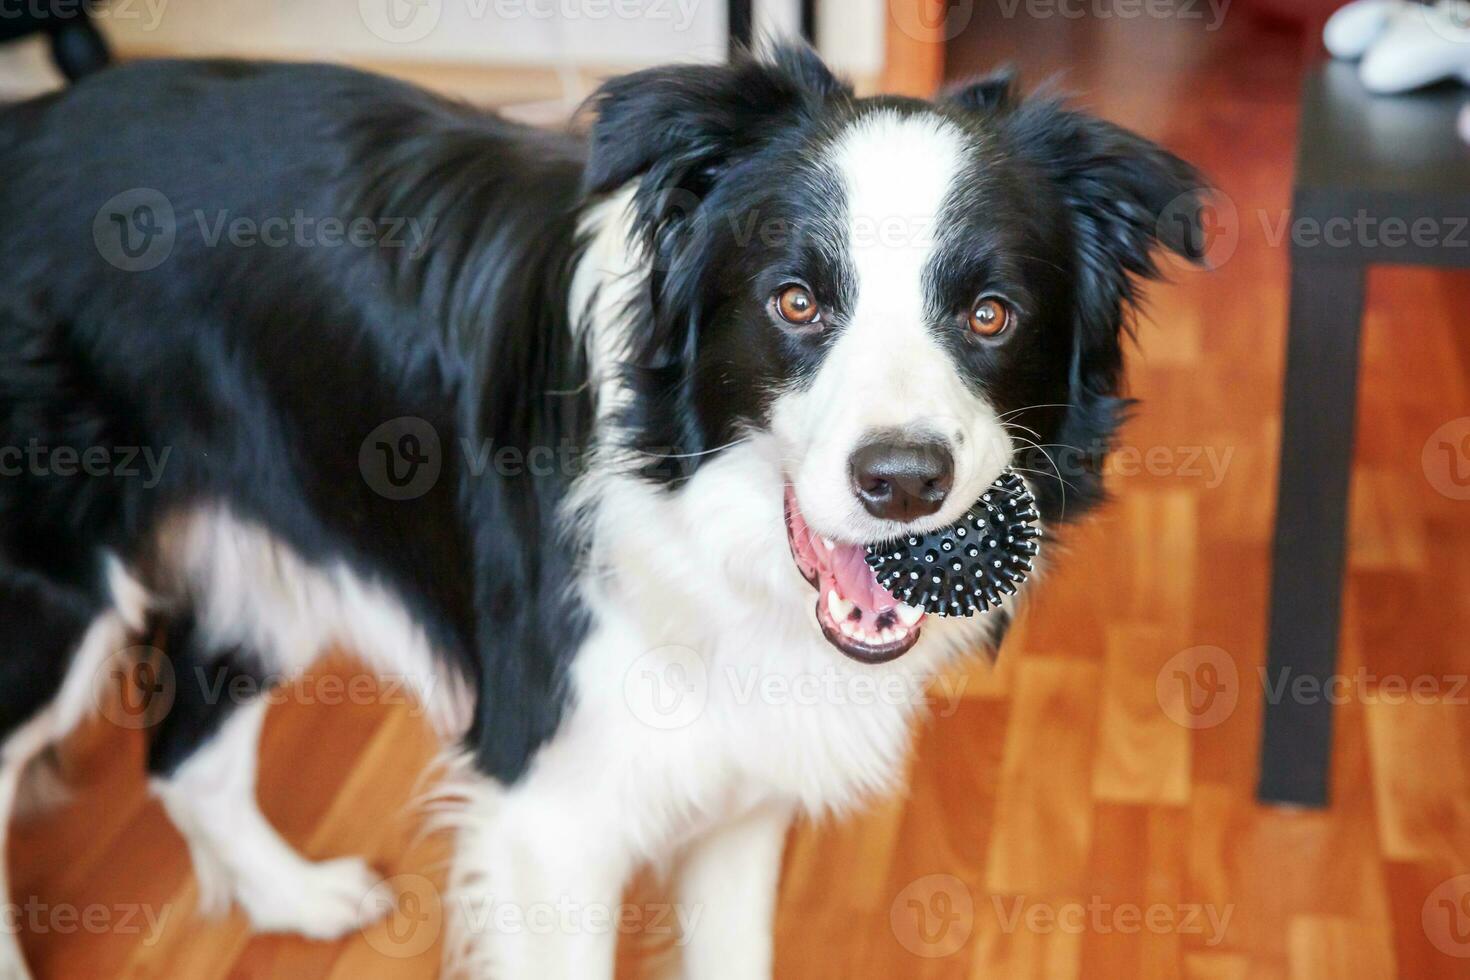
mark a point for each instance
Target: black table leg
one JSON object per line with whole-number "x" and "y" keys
{"x": 1318, "y": 414}
{"x": 79, "y": 48}
{"x": 740, "y": 20}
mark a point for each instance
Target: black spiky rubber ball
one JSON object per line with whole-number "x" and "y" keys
{"x": 969, "y": 566}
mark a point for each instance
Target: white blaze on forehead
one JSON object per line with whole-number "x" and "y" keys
{"x": 888, "y": 368}
{"x": 896, "y": 172}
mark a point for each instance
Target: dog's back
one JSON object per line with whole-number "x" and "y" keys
{"x": 220, "y": 278}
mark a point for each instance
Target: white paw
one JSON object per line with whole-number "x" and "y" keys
{"x": 322, "y": 900}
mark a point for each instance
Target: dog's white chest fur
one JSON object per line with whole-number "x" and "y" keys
{"x": 705, "y": 680}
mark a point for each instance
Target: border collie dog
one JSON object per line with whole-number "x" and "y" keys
{"x": 579, "y": 435}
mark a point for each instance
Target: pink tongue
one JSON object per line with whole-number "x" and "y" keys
{"x": 856, "y": 581}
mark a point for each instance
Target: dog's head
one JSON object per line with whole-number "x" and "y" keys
{"x": 905, "y": 297}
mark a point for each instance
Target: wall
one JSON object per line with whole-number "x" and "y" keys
{"x": 594, "y": 35}
{"x": 616, "y": 33}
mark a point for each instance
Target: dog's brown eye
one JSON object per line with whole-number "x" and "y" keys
{"x": 990, "y": 317}
{"x": 797, "y": 305}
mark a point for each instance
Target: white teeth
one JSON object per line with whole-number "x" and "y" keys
{"x": 827, "y": 543}
{"x": 839, "y": 608}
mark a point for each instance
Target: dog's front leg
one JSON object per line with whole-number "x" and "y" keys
{"x": 12, "y": 960}
{"x": 536, "y": 889}
{"x": 727, "y": 896}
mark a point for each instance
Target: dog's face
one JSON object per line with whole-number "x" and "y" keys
{"x": 906, "y": 297}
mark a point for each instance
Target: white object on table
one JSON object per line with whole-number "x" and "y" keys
{"x": 1418, "y": 48}
{"x": 1352, "y": 29}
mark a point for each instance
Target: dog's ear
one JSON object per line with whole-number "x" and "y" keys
{"x": 995, "y": 92}
{"x": 680, "y": 126}
{"x": 677, "y": 131}
{"x": 1126, "y": 199}
{"x": 1128, "y": 195}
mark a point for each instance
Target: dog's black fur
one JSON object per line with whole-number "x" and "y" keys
{"x": 262, "y": 370}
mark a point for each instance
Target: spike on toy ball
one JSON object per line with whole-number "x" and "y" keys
{"x": 969, "y": 566}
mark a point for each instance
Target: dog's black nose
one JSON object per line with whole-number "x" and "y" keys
{"x": 900, "y": 481}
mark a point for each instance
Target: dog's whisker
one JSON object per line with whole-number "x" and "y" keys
{"x": 702, "y": 452}
{"x": 562, "y": 392}
{"x": 1027, "y": 408}
{"x": 1020, "y": 427}
{"x": 1057, "y": 475}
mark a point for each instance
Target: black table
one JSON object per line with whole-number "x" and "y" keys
{"x": 1379, "y": 179}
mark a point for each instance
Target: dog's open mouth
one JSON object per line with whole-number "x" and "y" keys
{"x": 856, "y": 614}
